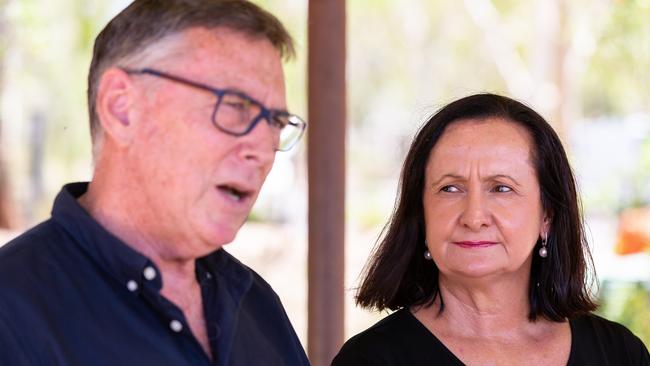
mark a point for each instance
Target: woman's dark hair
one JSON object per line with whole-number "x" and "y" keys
{"x": 397, "y": 274}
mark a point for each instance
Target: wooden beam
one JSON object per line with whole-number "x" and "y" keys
{"x": 326, "y": 171}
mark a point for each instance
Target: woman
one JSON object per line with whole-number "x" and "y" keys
{"x": 485, "y": 258}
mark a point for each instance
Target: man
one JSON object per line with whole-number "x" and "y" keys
{"x": 187, "y": 110}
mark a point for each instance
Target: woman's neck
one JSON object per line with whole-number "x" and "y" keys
{"x": 482, "y": 308}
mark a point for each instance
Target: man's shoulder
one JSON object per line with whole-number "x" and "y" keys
{"x": 29, "y": 246}
{"x": 30, "y": 262}
{"x": 25, "y": 273}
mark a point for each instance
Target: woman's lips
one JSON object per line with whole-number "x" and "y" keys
{"x": 474, "y": 244}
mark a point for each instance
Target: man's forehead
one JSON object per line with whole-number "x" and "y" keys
{"x": 224, "y": 58}
{"x": 221, "y": 43}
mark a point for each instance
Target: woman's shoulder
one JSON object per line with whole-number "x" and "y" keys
{"x": 364, "y": 347}
{"x": 595, "y": 326}
{"x": 386, "y": 328}
{"x": 596, "y": 339}
{"x": 398, "y": 339}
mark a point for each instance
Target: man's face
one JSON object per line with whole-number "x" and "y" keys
{"x": 196, "y": 184}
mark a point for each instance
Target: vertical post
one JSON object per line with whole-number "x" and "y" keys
{"x": 566, "y": 98}
{"x": 326, "y": 171}
{"x": 5, "y": 219}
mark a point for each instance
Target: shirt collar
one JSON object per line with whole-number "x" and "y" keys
{"x": 126, "y": 264}
{"x": 110, "y": 253}
{"x": 237, "y": 277}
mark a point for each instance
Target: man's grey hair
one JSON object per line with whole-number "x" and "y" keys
{"x": 146, "y": 22}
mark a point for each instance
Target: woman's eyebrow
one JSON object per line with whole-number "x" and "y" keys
{"x": 488, "y": 178}
{"x": 451, "y": 176}
{"x": 503, "y": 176}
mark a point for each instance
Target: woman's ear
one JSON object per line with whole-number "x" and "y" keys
{"x": 114, "y": 99}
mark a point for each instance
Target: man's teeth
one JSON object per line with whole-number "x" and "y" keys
{"x": 234, "y": 194}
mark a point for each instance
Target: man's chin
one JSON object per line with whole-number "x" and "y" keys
{"x": 220, "y": 237}
{"x": 202, "y": 250}
{"x": 211, "y": 235}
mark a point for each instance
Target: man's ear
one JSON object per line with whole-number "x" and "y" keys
{"x": 115, "y": 96}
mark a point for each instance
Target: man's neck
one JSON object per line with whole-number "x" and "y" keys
{"x": 177, "y": 273}
{"x": 179, "y": 283}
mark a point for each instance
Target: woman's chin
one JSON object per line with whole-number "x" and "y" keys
{"x": 472, "y": 269}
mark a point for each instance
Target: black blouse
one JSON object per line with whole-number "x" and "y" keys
{"x": 400, "y": 339}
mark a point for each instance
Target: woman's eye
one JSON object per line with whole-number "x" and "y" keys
{"x": 450, "y": 189}
{"x": 502, "y": 189}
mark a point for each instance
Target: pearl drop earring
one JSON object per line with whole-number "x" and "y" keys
{"x": 427, "y": 254}
{"x": 543, "y": 252}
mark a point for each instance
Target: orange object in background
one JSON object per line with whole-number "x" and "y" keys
{"x": 633, "y": 231}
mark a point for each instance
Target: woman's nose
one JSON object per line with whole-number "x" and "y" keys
{"x": 475, "y": 213}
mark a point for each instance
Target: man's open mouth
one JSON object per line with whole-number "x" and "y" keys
{"x": 235, "y": 193}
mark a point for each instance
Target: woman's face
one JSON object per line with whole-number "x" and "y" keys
{"x": 482, "y": 205}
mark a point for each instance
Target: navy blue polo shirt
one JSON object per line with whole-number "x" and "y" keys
{"x": 71, "y": 293}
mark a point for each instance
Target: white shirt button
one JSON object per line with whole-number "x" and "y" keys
{"x": 175, "y": 325}
{"x": 132, "y": 285}
{"x": 149, "y": 273}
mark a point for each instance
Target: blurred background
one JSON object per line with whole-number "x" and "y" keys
{"x": 584, "y": 64}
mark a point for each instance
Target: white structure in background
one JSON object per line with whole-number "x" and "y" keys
{"x": 606, "y": 155}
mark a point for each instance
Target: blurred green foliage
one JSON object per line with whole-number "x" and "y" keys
{"x": 628, "y": 304}
{"x": 619, "y": 70}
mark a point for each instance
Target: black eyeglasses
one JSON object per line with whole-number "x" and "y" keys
{"x": 237, "y": 114}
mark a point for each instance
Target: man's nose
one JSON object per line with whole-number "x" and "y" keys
{"x": 475, "y": 214}
{"x": 260, "y": 144}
